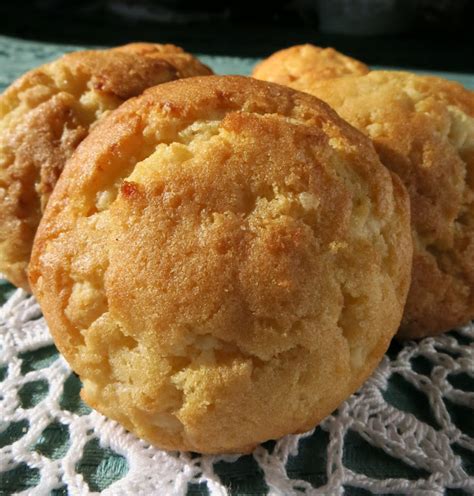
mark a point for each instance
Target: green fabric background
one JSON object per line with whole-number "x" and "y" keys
{"x": 101, "y": 467}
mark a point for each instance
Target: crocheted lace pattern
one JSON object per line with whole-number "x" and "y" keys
{"x": 435, "y": 450}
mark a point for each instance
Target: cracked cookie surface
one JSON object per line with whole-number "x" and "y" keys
{"x": 47, "y": 112}
{"x": 228, "y": 264}
{"x": 423, "y": 130}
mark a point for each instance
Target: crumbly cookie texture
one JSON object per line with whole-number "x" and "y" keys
{"x": 301, "y": 65}
{"x": 229, "y": 262}
{"x": 46, "y": 113}
{"x": 423, "y": 130}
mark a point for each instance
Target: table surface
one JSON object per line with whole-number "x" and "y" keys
{"x": 101, "y": 466}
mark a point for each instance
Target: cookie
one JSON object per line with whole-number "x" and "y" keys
{"x": 300, "y": 65}
{"x": 223, "y": 261}
{"x": 423, "y": 130}
{"x": 46, "y": 113}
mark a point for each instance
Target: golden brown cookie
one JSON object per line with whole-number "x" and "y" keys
{"x": 423, "y": 129}
{"x": 46, "y": 113}
{"x": 301, "y": 65}
{"x": 223, "y": 262}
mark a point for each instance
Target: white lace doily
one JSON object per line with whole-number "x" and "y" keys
{"x": 431, "y": 449}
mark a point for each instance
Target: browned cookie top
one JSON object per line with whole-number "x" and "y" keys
{"x": 300, "y": 65}
{"x": 223, "y": 262}
{"x": 46, "y": 113}
{"x": 423, "y": 129}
